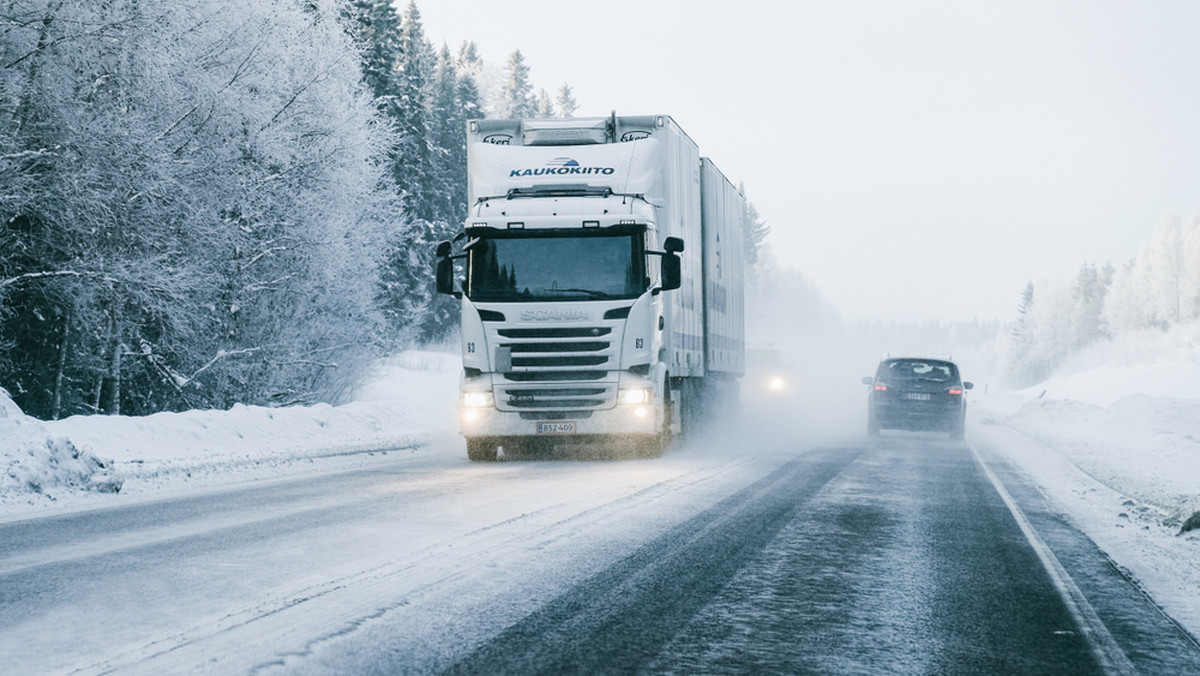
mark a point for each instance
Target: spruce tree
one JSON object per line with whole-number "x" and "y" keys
{"x": 1020, "y": 354}
{"x": 517, "y": 92}
{"x": 375, "y": 27}
{"x": 414, "y": 74}
{"x": 1091, "y": 286}
{"x": 543, "y": 106}
{"x": 447, "y": 140}
{"x": 567, "y": 105}
{"x": 754, "y": 233}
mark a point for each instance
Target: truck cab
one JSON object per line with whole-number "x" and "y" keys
{"x": 569, "y": 270}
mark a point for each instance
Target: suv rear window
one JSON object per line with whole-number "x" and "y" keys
{"x": 910, "y": 370}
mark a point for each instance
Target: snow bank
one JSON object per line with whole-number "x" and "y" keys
{"x": 411, "y": 398}
{"x": 37, "y": 462}
{"x": 1126, "y": 412}
{"x": 1145, "y": 447}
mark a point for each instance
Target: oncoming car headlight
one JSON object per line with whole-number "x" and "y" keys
{"x": 636, "y": 395}
{"x": 477, "y": 399}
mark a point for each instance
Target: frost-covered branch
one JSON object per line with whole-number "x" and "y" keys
{"x": 182, "y": 382}
{"x": 267, "y": 286}
{"x": 57, "y": 273}
{"x": 268, "y": 251}
{"x": 26, "y": 154}
{"x": 66, "y": 38}
{"x": 306, "y": 362}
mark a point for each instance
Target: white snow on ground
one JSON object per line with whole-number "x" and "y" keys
{"x": 68, "y": 463}
{"x": 1115, "y": 442}
{"x": 36, "y": 461}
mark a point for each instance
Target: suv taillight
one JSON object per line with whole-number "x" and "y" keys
{"x": 955, "y": 390}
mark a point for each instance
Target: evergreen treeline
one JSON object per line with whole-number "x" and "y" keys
{"x": 1159, "y": 288}
{"x": 205, "y": 202}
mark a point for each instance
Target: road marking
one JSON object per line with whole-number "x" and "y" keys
{"x": 1104, "y": 647}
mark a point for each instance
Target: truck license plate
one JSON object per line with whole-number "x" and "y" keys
{"x": 567, "y": 427}
{"x": 919, "y": 396}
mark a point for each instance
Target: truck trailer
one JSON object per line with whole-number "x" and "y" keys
{"x": 600, "y": 272}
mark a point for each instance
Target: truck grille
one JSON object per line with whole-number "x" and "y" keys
{"x": 558, "y": 368}
{"x": 573, "y": 332}
{"x": 556, "y": 397}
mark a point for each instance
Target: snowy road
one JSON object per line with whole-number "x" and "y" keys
{"x": 905, "y": 555}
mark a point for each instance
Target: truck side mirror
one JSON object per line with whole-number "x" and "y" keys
{"x": 672, "y": 277}
{"x": 673, "y": 245}
{"x": 445, "y": 269}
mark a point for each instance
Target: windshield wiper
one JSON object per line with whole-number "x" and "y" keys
{"x": 590, "y": 292}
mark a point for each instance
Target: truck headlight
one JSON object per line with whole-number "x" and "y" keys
{"x": 477, "y": 399}
{"x": 635, "y": 395}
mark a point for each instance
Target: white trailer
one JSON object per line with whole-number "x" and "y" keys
{"x": 601, "y": 278}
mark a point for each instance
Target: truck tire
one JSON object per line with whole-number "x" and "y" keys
{"x": 481, "y": 450}
{"x": 652, "y": 446}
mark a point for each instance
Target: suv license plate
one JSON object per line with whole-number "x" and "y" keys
{"x": 556, "y": 427}
{"x": 919, "y": 396}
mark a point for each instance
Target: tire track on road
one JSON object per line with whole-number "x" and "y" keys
{"x": 620, "y": 618}
{"x": 242, "y": 638}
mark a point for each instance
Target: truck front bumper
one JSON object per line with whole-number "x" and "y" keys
{"x": 623, "y": 419}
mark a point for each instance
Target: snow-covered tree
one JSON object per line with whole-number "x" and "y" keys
{"x": 1158, "y": 287}
{"x": 447, "y": 140}
{"x": 517, "y": 98}
{"x": 375, "y": 28}
{"x": 1091, "y": 287}
{"x": 1126, "y": 306}
{"x": 1190, "y": 278}
{"x": 414, "y": 75}
{"x": 191, "y": 193}
{"x": 1020, "y": 350}
{"x": 1164, "y": 257}
{"x": 1051, "y": 328}
{"x": 755, "y": 233}
{"x": 567, "y": 105}
{"x": 543, "y": 106}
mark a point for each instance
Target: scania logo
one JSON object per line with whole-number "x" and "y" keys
{"x": 561, "y": 166}
{"x": 553, "y": 315}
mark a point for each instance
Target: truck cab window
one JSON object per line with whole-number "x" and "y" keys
{"x": 548, "y": 267}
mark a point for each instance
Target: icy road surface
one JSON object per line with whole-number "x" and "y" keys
{"x": 906, "y": 554}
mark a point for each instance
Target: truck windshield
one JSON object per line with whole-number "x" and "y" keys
{"x": 551, "y": 266}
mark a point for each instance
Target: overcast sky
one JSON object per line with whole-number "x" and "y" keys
{"x": 914, "y": 160}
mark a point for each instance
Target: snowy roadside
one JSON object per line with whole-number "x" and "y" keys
{"x": 1118, "y": 449}
{"x": 94, "y": 461}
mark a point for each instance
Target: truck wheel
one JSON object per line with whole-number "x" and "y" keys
{"x": 481, "y": 450}
{"x": 653, "y": 446}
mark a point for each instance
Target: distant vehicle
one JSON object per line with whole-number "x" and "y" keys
{"x": 917, "y": 393}
{"x": 767, "y": 376}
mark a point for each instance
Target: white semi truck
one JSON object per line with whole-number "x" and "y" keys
{"x": 601, "y": 278}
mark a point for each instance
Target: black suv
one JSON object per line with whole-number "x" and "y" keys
{"x": 917, "y": 393}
